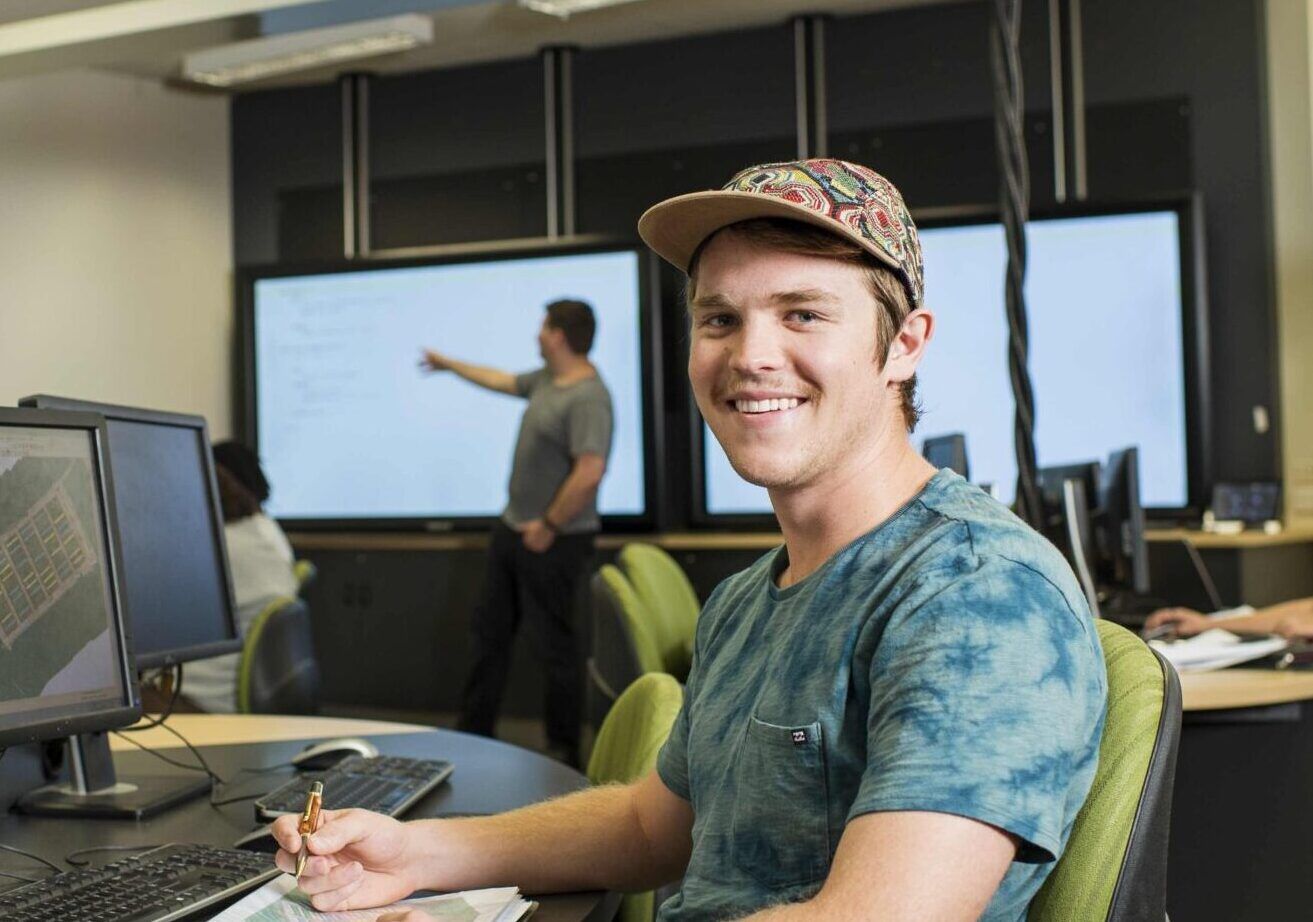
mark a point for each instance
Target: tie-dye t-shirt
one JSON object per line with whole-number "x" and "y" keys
{"x": 945, "y": 661}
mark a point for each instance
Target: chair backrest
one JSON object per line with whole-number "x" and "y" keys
{"x": 306, "y": 573}
{"x": 626, "y": 750}
{"x": 665, "y": 590}
{"x": 278, "y": 672}
{"x": 1115, "y": 866}
{"x": 622, "y": 647}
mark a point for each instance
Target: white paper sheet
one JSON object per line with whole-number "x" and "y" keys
{"x": 1215, "y": 649}
{"x": 280, "y": 901}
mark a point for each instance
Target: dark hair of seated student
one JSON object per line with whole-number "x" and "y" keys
{"x": 243, "y": 464}
{"x": 235, "y": 499}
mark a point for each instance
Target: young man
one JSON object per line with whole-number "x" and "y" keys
{"x": 894, "y": 716}
{"x": 539, "y": 550}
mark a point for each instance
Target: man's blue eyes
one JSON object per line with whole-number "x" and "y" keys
{"x": 720, "y": 321}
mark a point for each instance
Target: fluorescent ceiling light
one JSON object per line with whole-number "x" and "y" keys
{"x": 243, "y": 62}
{"x": 562, "y": 9}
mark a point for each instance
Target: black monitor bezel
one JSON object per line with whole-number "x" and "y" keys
{"x": 159, "y": 659}
{"x": 650, "y": 375}
{"x": 106, "y": 715}
{"x": 1189, "y": 208}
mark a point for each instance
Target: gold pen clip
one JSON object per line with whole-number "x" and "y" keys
{"x": 309, "y": 822}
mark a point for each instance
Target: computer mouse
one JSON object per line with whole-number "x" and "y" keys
{"x": 259, "y": 839}
{"x": 319, "y": 756}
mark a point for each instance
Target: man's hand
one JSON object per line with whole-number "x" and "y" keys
{"x": 359, "y": 859}
{"x": 1185, "y": 621}
{"x": 1297, "y": 626}
{"x": 537, "y": 536}
{"x": 434, "y": 361}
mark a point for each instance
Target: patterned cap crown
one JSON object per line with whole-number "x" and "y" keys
{"x": 857, "y": 197}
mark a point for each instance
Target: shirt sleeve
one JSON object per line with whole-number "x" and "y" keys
{"x": 588, "y": 425}
{"x": 672, "y": 760}
{"x": 987, "y": 702}
{"x": 526, "y": 381}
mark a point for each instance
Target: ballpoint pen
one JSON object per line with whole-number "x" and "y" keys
{"x": 309, "y": 821}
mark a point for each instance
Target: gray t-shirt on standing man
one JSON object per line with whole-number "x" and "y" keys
{"x": 559, "y": 425}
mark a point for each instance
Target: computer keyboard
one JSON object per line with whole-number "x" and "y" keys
{"x": 385, "y": 784}
{"x": 162, "y": 884}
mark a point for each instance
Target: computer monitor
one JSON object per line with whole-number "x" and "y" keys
{"x": 175, "y": 564}
{"x": 1092, "y": 513}
{"x": 65, "y": 661}
{"x": 1123, "y": 555}
{"x": 948, "y": 451}
{"x": 66, "y": 666}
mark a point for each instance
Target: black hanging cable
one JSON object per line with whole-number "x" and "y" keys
{"x": 18, "y": 851}
{"x": 1014, "y": 206}
{"x": 151, "y": 722}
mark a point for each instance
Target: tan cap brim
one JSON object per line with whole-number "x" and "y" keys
{"x": 676, "y": 227}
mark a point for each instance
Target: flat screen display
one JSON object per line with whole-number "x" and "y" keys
{"x": 1105, "y": 309}
{"x": 348, "y": 425}
{"x": 60, "y": 642}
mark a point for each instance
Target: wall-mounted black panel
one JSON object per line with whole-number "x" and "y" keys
{"x": 287, "y": 175}
{"x": 458, "y": 155}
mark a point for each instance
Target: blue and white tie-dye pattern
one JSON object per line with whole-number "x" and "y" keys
{"x": 945, "y": 661}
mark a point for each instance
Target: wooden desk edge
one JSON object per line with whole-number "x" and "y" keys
{"x": 232, "y": 729}
{"x": 1242, "y": 688}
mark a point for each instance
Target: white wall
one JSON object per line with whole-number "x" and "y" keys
{"x": 1290, "y": 125}
{"x": 115, "y": 243}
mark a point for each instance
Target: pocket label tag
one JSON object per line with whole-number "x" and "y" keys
{"x": 800, "y": 737}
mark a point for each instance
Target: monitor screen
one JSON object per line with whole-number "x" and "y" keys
{"x": 1106, "y": 311}
{"x": 175, "y": 564}
{"x": 63, "y": 667}
{"x": 348, "y": 426}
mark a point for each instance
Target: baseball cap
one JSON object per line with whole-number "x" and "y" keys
{"x": 847, "y": 199}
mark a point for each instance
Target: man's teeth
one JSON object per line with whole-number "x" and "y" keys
{"x": 765, "y": 406}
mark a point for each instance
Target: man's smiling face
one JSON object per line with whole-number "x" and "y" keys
{"x": 784, "y": 364}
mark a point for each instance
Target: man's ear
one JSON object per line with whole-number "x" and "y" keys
{"x": 908, "y": 347}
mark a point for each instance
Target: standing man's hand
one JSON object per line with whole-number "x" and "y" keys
{"x": 434, "y": 361}
{"x": 537, "y": 535}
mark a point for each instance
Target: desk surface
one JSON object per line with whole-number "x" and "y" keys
{"x": 1243, "y": 688}
{"x": 232, "y": 729}
{"x": 489, "y": 777}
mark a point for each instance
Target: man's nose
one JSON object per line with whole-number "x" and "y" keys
{"x": 757, "y": 348}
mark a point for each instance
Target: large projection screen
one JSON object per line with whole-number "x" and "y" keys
{"x": 349, "y": 428}
{"x": 1104, "y": 297}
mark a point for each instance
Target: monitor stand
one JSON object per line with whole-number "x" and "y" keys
{"x": 95, "y": 791}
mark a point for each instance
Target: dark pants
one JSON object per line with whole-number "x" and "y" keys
{"x": 540, "y": 588}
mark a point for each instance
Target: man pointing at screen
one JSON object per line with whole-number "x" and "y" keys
{"x": 538, "y": 550}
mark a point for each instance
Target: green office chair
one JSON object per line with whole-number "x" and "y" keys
{"x": 626, "y": 750}
{"x": 1115, "y": 865}
{"x": 623, "y": 644}
{"x": 277, "y": 672}
{"x": 673, "y": 606}
{"x": 306, "y": 573}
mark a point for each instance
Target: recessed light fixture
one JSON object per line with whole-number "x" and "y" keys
{"x": 564, "y": 9}
{"x": 261, "y": 58}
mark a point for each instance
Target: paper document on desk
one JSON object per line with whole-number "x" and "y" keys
{"x": 1216, "y": 649}
{"x": 280, "y": 901}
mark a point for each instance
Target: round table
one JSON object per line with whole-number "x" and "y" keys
{"x": 489, "y": 777}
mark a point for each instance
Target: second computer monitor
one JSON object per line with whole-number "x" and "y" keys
{"x": 175, "y": 564}
{"x": 948, "y": 451}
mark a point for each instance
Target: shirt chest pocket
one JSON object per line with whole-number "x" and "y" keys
{"x": 780, "y": 829}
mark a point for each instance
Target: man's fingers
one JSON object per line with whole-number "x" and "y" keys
{"x": 340, "y": 828}
{"x": 335, "y": 879}
{"x": 338, "y": 899}
{"x": 285, "y": 834}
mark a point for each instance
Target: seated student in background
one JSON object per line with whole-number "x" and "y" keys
{"x": 894, "y": 716}
{"x": 260, "y": 559}
{"x": 1292, "y": 619}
